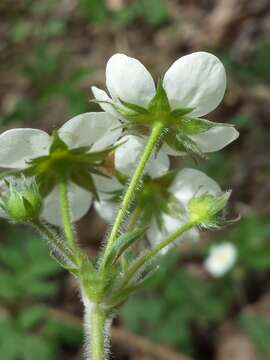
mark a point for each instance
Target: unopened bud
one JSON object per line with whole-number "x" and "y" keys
{"x": 20, "y": 199}
{"x": 204, "y": 209}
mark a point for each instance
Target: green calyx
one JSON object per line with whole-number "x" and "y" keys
{"x": 207, "y": 210}
{"x": 77, "y": 164}
{"x": 21, "y": 200}
{"x": 179, "y": 126}
{"x": 155, "y": 199}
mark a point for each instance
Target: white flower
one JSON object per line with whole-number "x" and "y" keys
{"x": 185, "y": 185}
{"x": 19, "y": 146}
{"x": 126, "y": 158}
{"x": 129, "y": 153}
{"x": 196, "y": 81}
{"x": 221, "y": 259}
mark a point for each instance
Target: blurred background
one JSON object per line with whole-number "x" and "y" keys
{"x": 51, "y": 52}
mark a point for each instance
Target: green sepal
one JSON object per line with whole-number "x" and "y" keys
{"x": 84, "y": 179}
{"x": 131, "y": 112}
{"x": 155, "y": 200}
{"x": 57, "y": 143}
{"x": 93, "y": 158}
{"x": 160, "y": 102}
{"x": 121, "y": 244}
{"x": 121, "y": 177}
{"x": 207, "y": 210}
{"x": 133, "y": 107}
{"x": 194, "y": 126}
{"x": 46, "y": 184}
{"x": 179, "y": 113}
{"x": 189, "y": 145}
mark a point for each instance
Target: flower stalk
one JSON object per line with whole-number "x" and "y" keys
{"x": 133, "y": 185}
{"x": 95, "y": 316}
{"x": 154, "y": 251}
{"x": 65, "y": 210}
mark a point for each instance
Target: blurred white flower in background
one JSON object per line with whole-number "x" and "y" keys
{"x": 221, "y": 259}
{"x": 196, "y": 81}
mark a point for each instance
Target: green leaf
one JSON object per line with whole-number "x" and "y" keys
{"x": 121, "y": 244}
{"x": 32, "y": 316}
{"x": 36, "y": 347}
{"x": 258, "y": 330}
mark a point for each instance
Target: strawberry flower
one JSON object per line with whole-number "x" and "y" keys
{"x": 77, "y": 149}
{"x": 192, "y": 87}
{"x": 163, "y": 201}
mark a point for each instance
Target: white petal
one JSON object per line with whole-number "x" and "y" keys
{"x": 79, "y": 199}
{"x": 198, "y": 81}
{"x": 106, "y": 186}
{"x": 170, "y": 225}
{"x": 107, "y": 210}
{"x": 94, "y": 128}
{"x": 101, "y": 95}
{"x": 170, "y": 151}
{"x": 127, "y": 79}
{"x": 216, "y": 138}
{"x": 18, "y": 146}
{"x": 189, "y": 182}
{"x": 129, "y": 153}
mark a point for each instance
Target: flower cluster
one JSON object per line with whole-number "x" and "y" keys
{"x": 119, "y": 160}
{"x": 97, "y": 152}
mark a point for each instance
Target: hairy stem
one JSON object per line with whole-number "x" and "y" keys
{"x": 95, "y": 322}
{"x": 131, "y": 190}
{"x": 66, "y": 216}
{"x": 145, "y": 258}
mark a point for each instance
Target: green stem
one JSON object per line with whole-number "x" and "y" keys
{"x": 66, "y": 217}
{"x": 131, "y": 190}
{"x": 145, "y": 258}
{"x": 97, "y": 333}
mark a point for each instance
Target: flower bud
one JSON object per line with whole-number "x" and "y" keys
{"x": 205, "y": 209}
{"x": 20, "y": 199}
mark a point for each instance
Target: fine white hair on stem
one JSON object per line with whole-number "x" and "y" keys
{"x": 88, "y": 333}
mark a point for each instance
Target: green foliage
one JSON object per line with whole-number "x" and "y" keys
{"x": 28, "y": 330}
{"x": 252, "y": 239}
{"x": 175, "y": 301}
{"x": 93, "y": 10}
{"x": 254, "y": 69}
{"x": 258, "y": 330}
{"x": 153, "y": 12}
{"x": 26, "y": 270}
{"x": 44, "y": 69}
